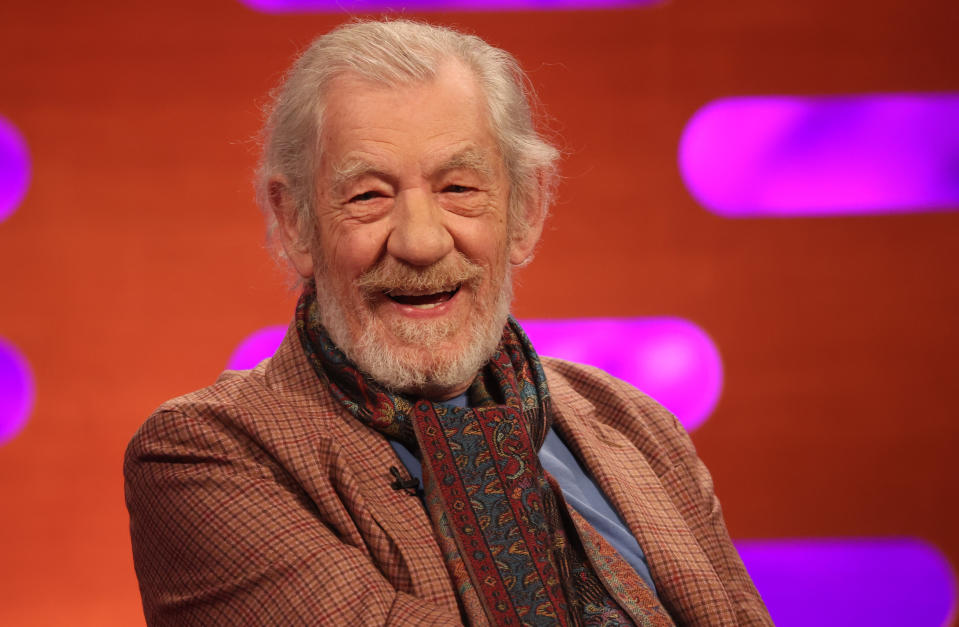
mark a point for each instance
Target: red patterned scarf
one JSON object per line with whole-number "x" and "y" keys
{"x": 517, "y": 554}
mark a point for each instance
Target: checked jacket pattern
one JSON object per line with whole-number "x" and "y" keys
{"x": 261, "y": 500}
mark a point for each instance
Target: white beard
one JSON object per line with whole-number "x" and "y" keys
{"x": 425, "y": 367}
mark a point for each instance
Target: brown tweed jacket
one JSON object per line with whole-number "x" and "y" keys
{"x": 260, "y": 501}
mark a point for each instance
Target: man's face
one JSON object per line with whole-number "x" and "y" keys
{"x": 412, "y": 254}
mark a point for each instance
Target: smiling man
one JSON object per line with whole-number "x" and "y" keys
{"x": 411, "y": 251}
{"x": 405, "y": 457}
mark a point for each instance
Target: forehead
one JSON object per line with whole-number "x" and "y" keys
{"x": 407, "y": 124}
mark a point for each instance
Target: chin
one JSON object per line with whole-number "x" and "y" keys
{"x": 439, "y": 364}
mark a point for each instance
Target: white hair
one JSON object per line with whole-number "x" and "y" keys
{"x": 398, "y": 52}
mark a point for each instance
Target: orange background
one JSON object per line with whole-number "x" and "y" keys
{"x": 136, "y": 263}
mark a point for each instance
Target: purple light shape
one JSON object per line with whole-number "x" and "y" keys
{"x": 256, "y": 347}
{"x": 824, "y": 156}
{"x": 360, "y": 6}
{"x": 16, "y": 391}
{"x": 879, "y": 582}
{"x": 671, "y": 359}
{"x": 14, "y": 168}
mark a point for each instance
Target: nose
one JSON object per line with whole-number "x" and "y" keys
{"x": 419, "y": 236}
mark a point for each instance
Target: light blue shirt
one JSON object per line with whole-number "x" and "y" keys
{"x": 579, "y": 490}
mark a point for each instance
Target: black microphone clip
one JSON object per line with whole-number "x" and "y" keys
{"x": 412, "y": 484}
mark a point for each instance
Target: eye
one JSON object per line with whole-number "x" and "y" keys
{"x": 370, "y": 195}
{"x": 458, "y": 189}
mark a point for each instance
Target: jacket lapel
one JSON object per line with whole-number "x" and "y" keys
{"x": 686, "y": 582}
{"x": 393, "y": 525}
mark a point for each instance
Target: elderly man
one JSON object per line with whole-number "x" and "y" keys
{"x": 405, "y": 457}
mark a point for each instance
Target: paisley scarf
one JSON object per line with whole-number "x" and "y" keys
{"x": 517, "y": 554}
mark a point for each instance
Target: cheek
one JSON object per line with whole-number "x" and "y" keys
{"x": 352, "y": 251}
{"x": 481, "y": 239}
{"x": 492, "y": 248}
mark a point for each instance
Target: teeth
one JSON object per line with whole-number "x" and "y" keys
{"x": 418, "y": 293}
{"x": 420, "y": 300}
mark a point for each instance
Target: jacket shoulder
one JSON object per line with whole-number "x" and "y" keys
{"x": 279, "y": 401}
{"x": 216, "y": 424}
{"x": 618, "y": 410}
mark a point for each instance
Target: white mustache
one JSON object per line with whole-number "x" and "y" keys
{"x": 390, "y": 275}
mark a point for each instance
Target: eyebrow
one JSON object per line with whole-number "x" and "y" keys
{"x": 352, "y": 169}
{"x": 468, "y": 159}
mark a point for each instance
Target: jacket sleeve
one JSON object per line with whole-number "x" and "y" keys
{"x": 221, "y": 535}
{"x": 709, "y": 527}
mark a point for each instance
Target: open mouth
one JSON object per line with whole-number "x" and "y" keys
{"x": 421, "y": 300}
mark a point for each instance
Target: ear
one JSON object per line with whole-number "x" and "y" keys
{"x": 525, "y": 236}
{"x": 297, "y": 250}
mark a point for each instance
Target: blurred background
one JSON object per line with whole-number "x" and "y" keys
{"x": 773, "y": 183}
